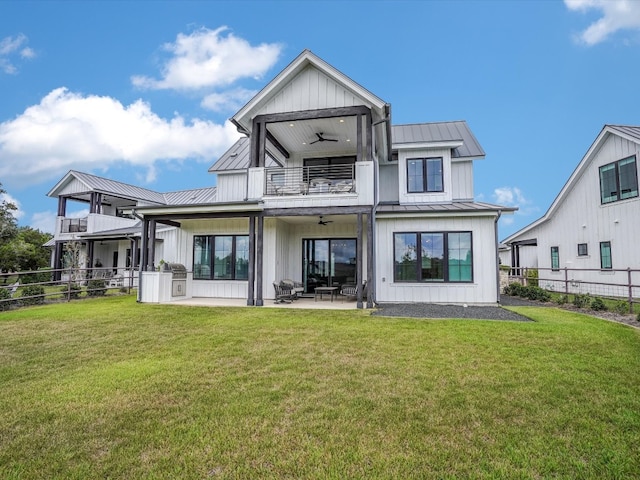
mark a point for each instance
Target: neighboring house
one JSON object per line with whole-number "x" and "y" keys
{"x": 593, "y": 222}
{"x": 109, "y": 235}
{"x": 324, "y": 191}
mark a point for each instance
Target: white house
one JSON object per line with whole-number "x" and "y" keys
{"x": 592, "y": 225}
{"x": 323, "y": 190}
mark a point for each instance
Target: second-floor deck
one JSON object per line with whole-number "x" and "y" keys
{"x": 311, "y": 180}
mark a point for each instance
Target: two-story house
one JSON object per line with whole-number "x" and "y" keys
{"x": 587, "y": 237}
{"x": 322, "y": 189}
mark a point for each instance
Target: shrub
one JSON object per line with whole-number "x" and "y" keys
{"x": 598, "y": 305}
{"x": 32, "y": 291}
{"x": 5, "y": 294}
{"x": 96, "y": 287}
{"x": 537, "y": 294}
{"x": 532, "y": 277}
{"x": 621, "y": 307}
{"x": 514, "y": 289}
{"x": 562, "y": 299}
{"x": 73, "y": 290}
{"x": 36, "y": 277}
{"x": 581, "y": 300}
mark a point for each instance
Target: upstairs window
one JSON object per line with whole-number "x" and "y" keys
{"x": 618, "y": 180}
{"x": 424, "y": 175}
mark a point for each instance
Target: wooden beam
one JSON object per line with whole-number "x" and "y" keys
{"x": 171, "y": 223}
{"x": 311, "y": 211}
{"x": 259, "y": 258}
{"x": 152, "y": 244}
{"x": 62, "y": 206}
{"x": 144, "y": 247}
{"x": 252, "y": 260}
{"x": 312, "y": 114}
{"x": 253, "y": 150}
{"x": 359, "y": 135}
{"x": 274, "y": 141}
{"x": 369, "y": 138}
{"x": 371, "y": 287}
{"x": 359, "y": 261}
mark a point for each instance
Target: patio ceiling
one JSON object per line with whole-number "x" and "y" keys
{"x": 297, "y": 136}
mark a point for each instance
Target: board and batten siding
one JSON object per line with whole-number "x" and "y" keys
{"x": 483, "y": 289}
{"x": 426, "y": 197}
{"x": 231, "y": 187}
{"x": 462, "y": 180}
{"x": 311, "y": 90}
{"x": 581, "y": 218}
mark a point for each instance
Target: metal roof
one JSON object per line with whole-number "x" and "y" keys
{"x": 114, "y": 187}
{"x": 449, "y": 207}
{"x": 237, "y": 158}
{"x": 191, "y": 197}
{"x": 629, "y": 130}
{"x": 439, "y": 132}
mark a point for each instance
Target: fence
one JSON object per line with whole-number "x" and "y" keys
{"x": 608, "y": 283}
{"x": 35, "y": 287}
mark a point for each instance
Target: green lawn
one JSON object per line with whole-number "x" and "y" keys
{"x": 108, "y": 388}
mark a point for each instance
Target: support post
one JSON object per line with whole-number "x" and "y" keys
{"x": 359, "y": 261}
{"x": 252, "y": 260}
{"x": 144, "y": 248}
{"x": 152, "y": 244}
{"x": 371, "y": 287}
{"x": 259, "y": 262}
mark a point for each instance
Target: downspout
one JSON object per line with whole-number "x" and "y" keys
{"x": 495, "y": 223}
{"x": 376, "y": 197}
{"x": 139, "y": 294}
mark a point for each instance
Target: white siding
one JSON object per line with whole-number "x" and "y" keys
{"x": 389, "y": 185}
{"x": 435, "y": 197}
{"x": 462, "y": 180}
{"x": 232, "y": 187}
{"x": 311, "y": 90}
{"x": 483, "y": 289}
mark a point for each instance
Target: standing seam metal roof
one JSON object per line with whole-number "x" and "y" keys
{"x": 439, "y": 132}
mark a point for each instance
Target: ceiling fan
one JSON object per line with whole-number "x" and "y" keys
{"x": 324, "y": 222}
{"x": 321, "y": 138}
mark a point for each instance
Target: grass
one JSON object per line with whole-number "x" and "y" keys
{"x": 107, "y": 388}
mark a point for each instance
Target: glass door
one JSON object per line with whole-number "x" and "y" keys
{"x": 328, "y": 262}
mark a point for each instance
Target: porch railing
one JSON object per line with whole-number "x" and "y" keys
{"x": 314, "y": 180}
{"x": 72, "y": 225}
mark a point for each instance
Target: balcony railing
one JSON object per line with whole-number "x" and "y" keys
{"x": 315, "y": 180}
{"x": 73, "y": 225}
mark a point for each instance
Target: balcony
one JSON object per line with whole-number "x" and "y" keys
{"x": 74, "y": 225}
{"x": 311, "y": 180}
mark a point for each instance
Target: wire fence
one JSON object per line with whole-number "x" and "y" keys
{"x": 39, "y": 286}
{"x": 622, "y": 284}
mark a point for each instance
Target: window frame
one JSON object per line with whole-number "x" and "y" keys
{"x": 606, "y": 244}
{"x": 211, "y": 265}
{"x": 584, "y": 253}
{"x": 425, "y": 175}
{"x": 446, "y": 258}
{"x": 555, "y": 258}
{"x": 619, "y": 193}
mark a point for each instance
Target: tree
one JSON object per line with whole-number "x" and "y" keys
{"x": 25, "y": 251}
{"x": 8, "y": 222}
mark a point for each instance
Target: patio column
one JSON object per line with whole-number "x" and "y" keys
{"x": 252, "y": 260}
{"x": 259, "y": 252}
{"x": 152, "y": 244}
{"x": 90, "y": 245}
{"x": 144, "y": 248}
{"x": 370, "y": 282}
{"x": 57, "y": 261}
{"x": 62, "y": 206}
{"x": 359, "y": 261}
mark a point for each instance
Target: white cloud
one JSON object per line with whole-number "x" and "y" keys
{"x": 44, "y": 221}
{"x": 616, "y": 15}
{"x": 513, "y": 197}
{"x": 71, "y": 131}
{"x": 229, "y": 100}
{"x": 207, "y": 58}
{"x": 10, "y": 47}
{"x": 5, "y": 197}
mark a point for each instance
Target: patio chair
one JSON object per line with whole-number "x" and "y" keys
{"x": 296, "y": 287}
{"x": 350, "y": 290}
{"x": 284, "y": 294}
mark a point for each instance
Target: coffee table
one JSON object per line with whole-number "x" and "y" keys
{"x": 320, "y": 290}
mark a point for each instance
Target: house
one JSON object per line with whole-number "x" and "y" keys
{"x": 109, "y": 235}
{"x": 587, "y": 236}
{"x": 322, "y": 189}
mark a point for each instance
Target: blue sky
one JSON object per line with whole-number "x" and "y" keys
{"x": 141, "y": 91}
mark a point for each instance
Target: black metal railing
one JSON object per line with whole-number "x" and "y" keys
{"x": 315, "y": 180}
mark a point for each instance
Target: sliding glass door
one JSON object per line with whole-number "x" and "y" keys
{"x": 328, "y": 262}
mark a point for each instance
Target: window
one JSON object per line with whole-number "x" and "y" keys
{"x": 332, "y": 168}
{"x": 582, "y": 250}
{"x": 433, "y": 257}
{"x": 424, "y": 175}
{"x": 555, "y": 258}
{"x": 619, "y": 180}
{"x": 222, "y": 257}
{"x": 605, "y": 255}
